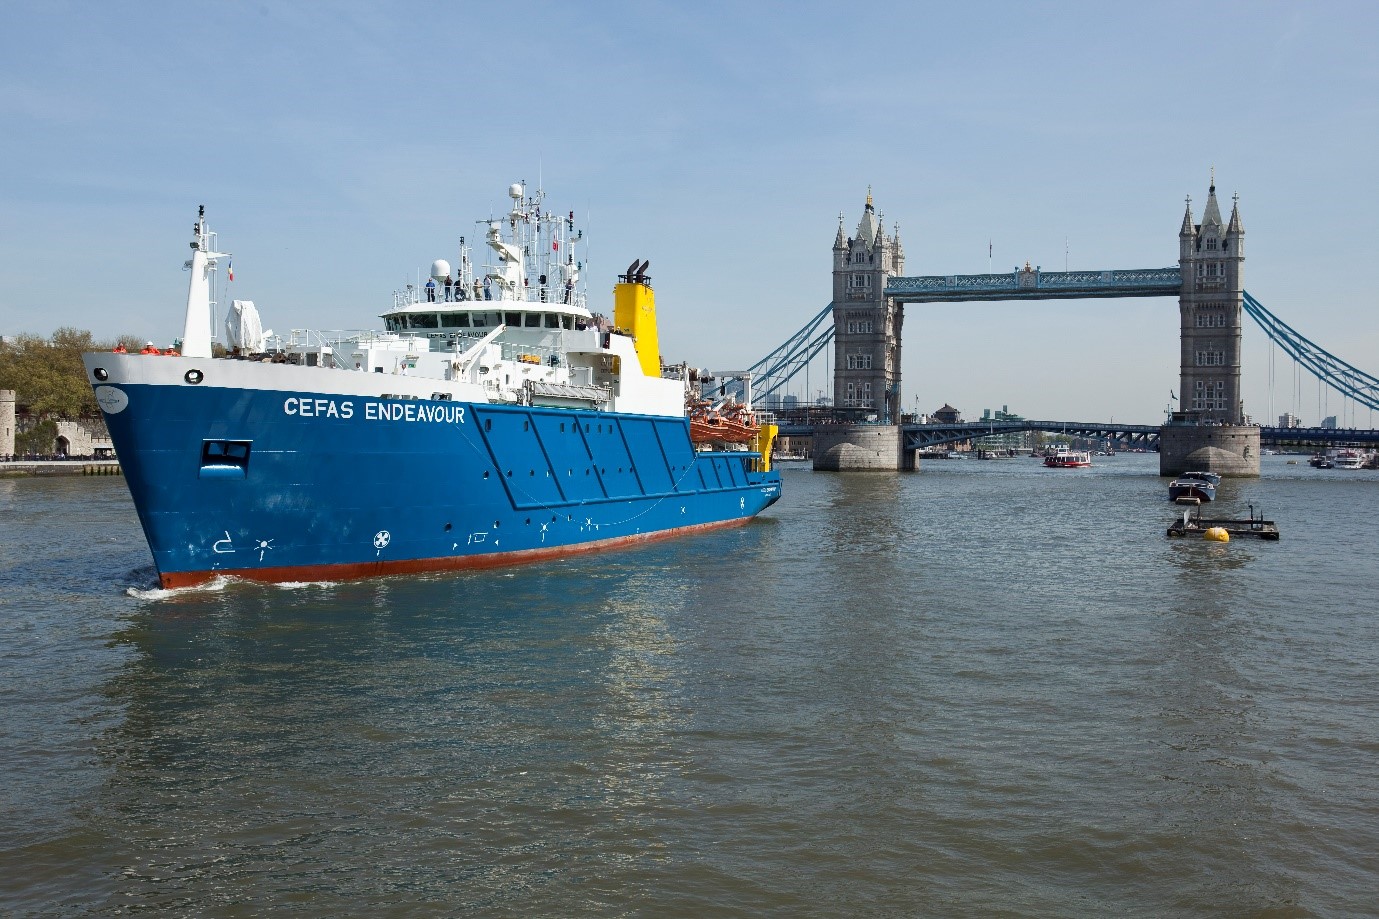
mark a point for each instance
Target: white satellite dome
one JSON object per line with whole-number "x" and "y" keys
{"x": 440, "y": 269}
{"x": 515, "y": 191}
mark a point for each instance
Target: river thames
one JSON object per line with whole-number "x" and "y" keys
{"x": 985, "y": 689}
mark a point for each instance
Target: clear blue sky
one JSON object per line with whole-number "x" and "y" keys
{"x": 339, "y": 147}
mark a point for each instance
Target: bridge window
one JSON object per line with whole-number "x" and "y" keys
{"x": 1210, "y": 358}
{"x": 860, "y": 281}
{"x": 1211, "y": 320}
{"x": 1211, "y": 242}
{"x": 1209, "y": 395}
{"x": 859, "y": 361}
{"x": 859, "y": 325}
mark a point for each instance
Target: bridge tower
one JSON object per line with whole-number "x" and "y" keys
{"x": 866, "y": 323}
{"x": 1210, "y": 429}
{"x": 1212, "y": 258}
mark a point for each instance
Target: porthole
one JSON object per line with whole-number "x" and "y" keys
{"x": 101, "y": 374}
{"x": 193, "y": 376}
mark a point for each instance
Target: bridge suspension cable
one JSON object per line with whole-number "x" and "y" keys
{"x": 771, "y": 374}
{"x": 1325, "y": 366}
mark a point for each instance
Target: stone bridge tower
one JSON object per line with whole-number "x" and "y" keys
{"x": 1212, "y": 257}
{"x": 1210, "y": 430}
{"x": 866, "y": 324}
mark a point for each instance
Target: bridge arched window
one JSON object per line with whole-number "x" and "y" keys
{"x": 859, "y": 361}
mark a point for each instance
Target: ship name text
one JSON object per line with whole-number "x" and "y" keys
{"x": 307, "y": 407}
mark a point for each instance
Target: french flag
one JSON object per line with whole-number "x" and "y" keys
{"x": 230, "y": 269}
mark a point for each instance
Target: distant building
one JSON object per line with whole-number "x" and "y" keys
{"x": 1329, "y": 422}
{"x": 947, "y": 415}
{"x": 1010, "y": 440}
{"x": 1289, "y": 420}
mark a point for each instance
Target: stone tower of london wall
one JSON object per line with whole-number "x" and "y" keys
{"x": 7, "y": 422}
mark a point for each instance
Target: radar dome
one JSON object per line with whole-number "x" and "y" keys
{"x": 440, "y": 268}
{"x": 515, "y": 192}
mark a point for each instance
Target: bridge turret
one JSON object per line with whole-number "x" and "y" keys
{"x": 1235, "y": 230}
{"x": 1187, "y": 233}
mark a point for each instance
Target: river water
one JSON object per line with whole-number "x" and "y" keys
{"x": 985, "y": 689}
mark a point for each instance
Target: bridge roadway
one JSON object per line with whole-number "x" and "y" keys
{"x": 924, "y": 436}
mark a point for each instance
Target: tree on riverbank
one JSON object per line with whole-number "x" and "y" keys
{"x": 47, "y": 374}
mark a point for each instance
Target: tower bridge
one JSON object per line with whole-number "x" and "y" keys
{"x": 1125, "y": 436}
{"x": 870, "y": 290}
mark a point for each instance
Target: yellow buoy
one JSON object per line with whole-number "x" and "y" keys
{"x": 1217, "y": 534}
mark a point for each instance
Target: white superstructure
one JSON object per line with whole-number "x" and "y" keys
{"x": 516, "y": 329}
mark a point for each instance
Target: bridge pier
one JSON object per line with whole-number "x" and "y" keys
{"x": 1227, "y": 449}
{"x": 862, "y": 448}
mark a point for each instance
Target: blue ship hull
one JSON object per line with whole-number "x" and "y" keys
{"x": 279, "y": 486}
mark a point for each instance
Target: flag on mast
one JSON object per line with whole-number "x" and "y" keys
{"x": 230, "y": 269}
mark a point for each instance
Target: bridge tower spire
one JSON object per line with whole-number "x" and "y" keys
{"x": 867, "y": 324}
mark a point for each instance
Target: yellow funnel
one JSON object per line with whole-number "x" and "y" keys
{"x": 634, "y": 312}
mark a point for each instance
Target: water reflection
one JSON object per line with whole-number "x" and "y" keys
{"x": 264, "y": 727}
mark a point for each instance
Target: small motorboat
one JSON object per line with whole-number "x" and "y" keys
{"x": 1193, "y": 487}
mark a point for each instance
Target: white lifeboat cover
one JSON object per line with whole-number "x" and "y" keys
{"x": 243, "y": 328}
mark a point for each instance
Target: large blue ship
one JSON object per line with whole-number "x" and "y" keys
{"x": 495, "y": 420}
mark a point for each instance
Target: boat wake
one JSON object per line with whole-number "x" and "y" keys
{"x": 154, "y": 592}
{"x": 215, "y": 585}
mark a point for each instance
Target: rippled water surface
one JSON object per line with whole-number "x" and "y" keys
{"x": 986, "y": 689}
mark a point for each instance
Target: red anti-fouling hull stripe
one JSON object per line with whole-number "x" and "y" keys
{"x": 382, "y": 567}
